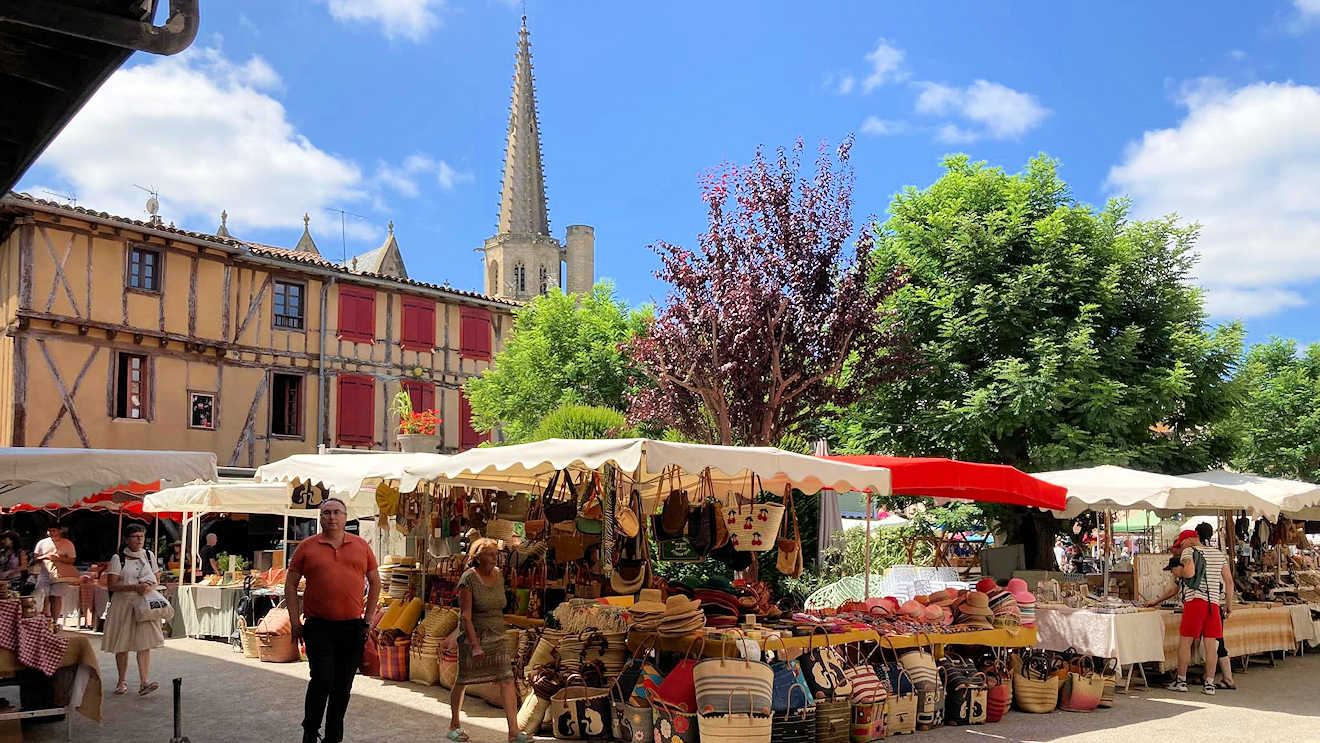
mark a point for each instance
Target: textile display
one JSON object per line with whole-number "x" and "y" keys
{"x": 1247, "y": 631}
{"x": 1131, "y": 638}
{"x": 1303, "y": 627}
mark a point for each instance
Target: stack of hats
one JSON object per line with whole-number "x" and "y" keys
{"x": 682, "y": 617}
{"x": 721, "y": 608}
{"x": 645, "y": 614}
{"x": 1005, "y": 607}
{"x": 946, "y": 600}
{"x": 1026, "y": 601}
{"x": 975, "y": 611}
{"x": 396, "y": 575}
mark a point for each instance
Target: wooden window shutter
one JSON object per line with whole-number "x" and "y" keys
{"x": 475, "y": 332}
{"x": 422, "y": 394}
{"x": 468, "y": 436}
{"x": 357, "y": 314}
{"x": 356, "y": 413}
{"x": 418, "y": 331}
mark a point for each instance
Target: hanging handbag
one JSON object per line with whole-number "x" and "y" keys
{"x": 823, "y": 668}
{"x": 536, "y": 524}
{"x": 752, "y": 525}
{"x": 558, "y": 510}
{"x": 589, "y": 508}
{"x": 1080, "y": 691}
{"x": 512, "y": 506}
{"x": 789, "y": 560}
{"x": 671, "y": 522}
{"x": 631, "y": 561}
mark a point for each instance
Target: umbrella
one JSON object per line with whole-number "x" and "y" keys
{"x": 937, "y": 477}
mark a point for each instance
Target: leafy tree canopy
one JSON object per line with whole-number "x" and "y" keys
{"x": 1279, "y": 425}
{"x": 564, "y": 349}
{"x": 1052, "y": 335}
{"x": 582, "y": 422}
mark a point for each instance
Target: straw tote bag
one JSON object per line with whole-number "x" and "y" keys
{"x": 735, "y": 727}
{"x": 901, "y": 708}
{"x": 833, "y": 720}
{"x": 672, "y": 724}
{"x": 1110, "y": 674}
{"x": 823, "y": 668}
{"x": 753, "y": 526}
{"x": 721, "y": 681}
{"x": 1080, "y": 692}
{"x": 794, "y": 724}
{"x": 1036, "y": 685}
{"x": 930, "y": 703}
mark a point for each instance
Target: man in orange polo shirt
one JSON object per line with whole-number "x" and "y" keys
{"x": 338, "y": 566}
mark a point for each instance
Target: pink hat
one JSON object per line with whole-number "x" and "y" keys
{"x": 986, "y": 585}
{"x": 934, "y": 613}
{"x": 1016, "y": 585}
{"x": 890, "y": 603}
{"x": 913, "y": 610}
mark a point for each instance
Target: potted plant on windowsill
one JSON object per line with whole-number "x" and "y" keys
{"x": 417, "y": 428}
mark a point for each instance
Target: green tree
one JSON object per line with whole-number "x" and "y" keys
{"x": 1051, "y": 335}
{"x": 1279, "y": 426}
{"x": 564, "y": 349}
{"x": 582, "y": 422}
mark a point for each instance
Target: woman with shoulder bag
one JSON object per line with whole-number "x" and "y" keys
{"x": 132, "y": 575}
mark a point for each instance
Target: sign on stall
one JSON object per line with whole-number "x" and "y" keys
{"x": 308, "y": 495}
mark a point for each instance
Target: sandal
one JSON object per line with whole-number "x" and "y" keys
{"x": 148, "y": 688}
{"x": 1221, "y": 684}
{"x": 121, "y": 689}
{"x": 458, "y": 734}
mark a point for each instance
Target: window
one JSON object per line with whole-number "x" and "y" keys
{"x": 144, "y": 269}
{"x": 418, "y": 324}
{"x": 357, "y": 314}
{"x": 422, "y": 394}
{"x": 356, "y": 412}
{"x": 467, "y": 435}
{"x": 288, "y": 305}
{"x": 545, "y": 280}
{"x": 474, "y": 333}
{"x": 201, "y": 410}
{"x": 132, "y": 386}
{"x": 286, "y": 404}
{"x": 519, "y": 278}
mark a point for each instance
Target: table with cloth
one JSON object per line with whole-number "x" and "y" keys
{"x": 1131, "y": 638}
{"x": 67, "y": 658}
{"x": 1248, "y": 631}
{"x": 204, "y": 611}
{"x": 1303, "y": 627}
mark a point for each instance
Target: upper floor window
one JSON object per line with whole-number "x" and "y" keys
{"x": 519, "y": 278}
{"x": 132, "y": 386}
{"x": 545, "y": 280}
{"x": 418, "y": 324}
{"x": 357, "y": 314}
{"x": 144, "y": 269}
{"x": 286, "y": 404}
{"x": 288, "y": 305}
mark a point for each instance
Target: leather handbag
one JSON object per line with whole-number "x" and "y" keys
{"x": 589, "y": 510}
{"x": 512, "y": 506}
{"x": 631, "y": 563}
{"x": 789, "y": 560}
{"x": 671, "y": 522}
{"x": 558, "y": 510}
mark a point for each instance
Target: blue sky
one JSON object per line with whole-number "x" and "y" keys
{"x": 397, "y": 109}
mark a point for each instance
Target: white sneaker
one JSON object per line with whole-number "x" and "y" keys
{"x": 1178, "y": 685}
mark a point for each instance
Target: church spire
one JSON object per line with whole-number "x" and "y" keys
{"x": 522, "y": 199}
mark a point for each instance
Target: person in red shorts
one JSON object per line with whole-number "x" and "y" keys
{"x": 1205, "y": 584}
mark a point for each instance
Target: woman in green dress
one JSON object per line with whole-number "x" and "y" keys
{"x": 482, "y": 654}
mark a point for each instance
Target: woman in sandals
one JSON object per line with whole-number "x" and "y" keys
{"x": 482, "y": 654}
{"x": 132, "y": 571}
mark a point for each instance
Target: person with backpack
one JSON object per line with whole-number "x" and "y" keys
{"x": 1204, "y": 532}
{"x": 1206, "y": 586}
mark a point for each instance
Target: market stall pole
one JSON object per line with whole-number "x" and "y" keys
{"x": 866, "y": 591}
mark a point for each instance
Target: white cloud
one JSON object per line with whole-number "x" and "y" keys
{"x": 879, "y": 127}
{"x": 999, "y": 111}
{"x": 1239, "y": 54}
{"x": 1308, "y": 9}
{"x": 846, "y": 84}
{"x": 201, "y": 129}
{"x": 1245, "y": 163}
{"x": 408, "y": 19}
{"x": 403, "y": 179}
{"x": 886, "y": 62}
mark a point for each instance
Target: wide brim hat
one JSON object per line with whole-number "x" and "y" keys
{"x": 934, "y": 613}
{"x": 649, "y": 601}
{"x": 679, "y": 604}
{"x": 1025, "y": 598}
{"x": 913, "y": 609}
{"x": 975, "y": 620}
{"x": 1016, "y": 585}
{"x": 976, "y": 605}
{"x": 944, "y": 597}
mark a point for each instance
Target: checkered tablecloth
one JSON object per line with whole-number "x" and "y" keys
{"x": 31, "y": 639}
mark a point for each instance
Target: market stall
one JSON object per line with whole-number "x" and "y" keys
{"x": 1248, "y": 630}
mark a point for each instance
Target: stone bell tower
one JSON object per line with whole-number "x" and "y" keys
{"x": 523, "y": 259}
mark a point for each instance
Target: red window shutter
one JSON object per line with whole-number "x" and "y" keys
{"x": 474, "y": 332}
{"x": 418, "y": 324}
{"x": 467, "y": 435}
{"x": 422, "y": 394}
{"x": 356, "y": 414}
{"x": 357, "y": 314}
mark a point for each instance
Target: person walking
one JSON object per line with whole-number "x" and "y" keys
{"x": 482, "y": 653}
{"x": 1206, "y": 585}
{"x": 1224, "y": 677}
{"x": 132, "y": 571}
{"x": 339, "y": 568}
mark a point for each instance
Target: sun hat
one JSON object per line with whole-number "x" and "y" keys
{"x": 679, "y": 604}
{"x": 986, "y": 585}
{"x": 976, "y": 604}
{"x": 974, "y": 620}
{"x": 934, "y": 613}
{"x": 913, "y": 610}
{"x": 648, "y": 602}
{"x": 1016, "y": 585}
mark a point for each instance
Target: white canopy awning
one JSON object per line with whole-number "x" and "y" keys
{"x": 346, "y": 474}
{"x": 1108, "y": 486}
{"x": 65, "y": 476}
{"x": 1288, "y": 495}
{"x": 245, "y": 496}
{"x": 526, "y": 466}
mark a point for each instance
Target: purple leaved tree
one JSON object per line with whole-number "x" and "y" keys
{"x": 775, "y": 319}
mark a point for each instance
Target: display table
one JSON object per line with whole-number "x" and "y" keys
{"x": 1131, "y": 638}
{"x": 77, "y": 681}
{"x": 204, "y": 611}
{"x": 1023, "y": 637}
{"x": 1248, "y": 631}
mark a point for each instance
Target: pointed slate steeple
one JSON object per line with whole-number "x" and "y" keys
{"x": 224, "y": 225}
{"x": 305, "y": 243}
{"x": 387, "y": 260}
{"x": 522, "y": 200}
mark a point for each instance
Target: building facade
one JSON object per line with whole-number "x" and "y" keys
{"x": 125, "y": 334}
{"x": 523, "y": 259}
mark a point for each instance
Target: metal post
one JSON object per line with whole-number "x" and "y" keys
{"x": 1109, "y": 547}
{"x": 866, "y": 580}
{"x": 284, "y": 543}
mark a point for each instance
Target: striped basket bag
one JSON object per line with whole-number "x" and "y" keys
{"x": 745, "y": 684}
{"x": 735, "y": 727}
{"x": 794, "y": 724}
{"x": 833, "y": 720}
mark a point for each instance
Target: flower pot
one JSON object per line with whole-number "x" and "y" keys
{"x": 419, "y": 443}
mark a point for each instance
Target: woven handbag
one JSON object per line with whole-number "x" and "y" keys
{"x": 728, "y": 680}
{"x": 868, "y": 722}
{"x": 833, "y": 720}
{"x": 579, "y": 712}
{"x": 1110, "y": 675}
{"x": 930, "y": 703}
{"x": 753, "y": 527}
{"x": 672, "y": 724}
{"x": 794, "y": 724}
{"x": 1036, "y": 685}
{"x": 735, "y": 727}
{"x": 823, "y": 668}
{"x": 1080, "y": 692}
{"x": 999, "y": 691}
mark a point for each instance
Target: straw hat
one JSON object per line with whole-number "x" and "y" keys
{"x": 975, "y": 620}
{"x": 976, "y": 604}
{"x": 678, "y": 604}
{"x": 649, "y": 601}
{"x": 934, "y": 613}
{"x": 913, "y": 610}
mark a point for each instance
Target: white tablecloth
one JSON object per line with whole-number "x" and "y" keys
{"x": 1131, "y": 638}
{"x": 1303, "y": 627}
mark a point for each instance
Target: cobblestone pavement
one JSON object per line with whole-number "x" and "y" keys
{"x": 232, "y": 699}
